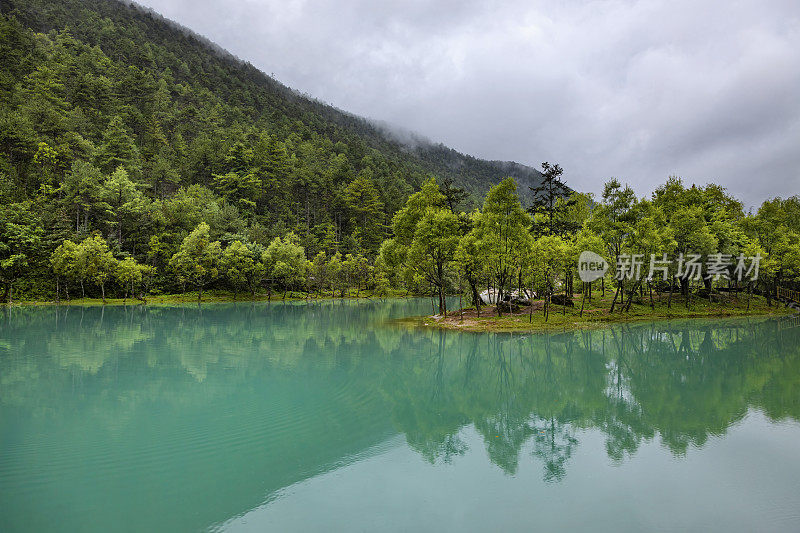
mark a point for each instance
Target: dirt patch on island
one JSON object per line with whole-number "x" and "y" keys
{"x": 471, "y": 315}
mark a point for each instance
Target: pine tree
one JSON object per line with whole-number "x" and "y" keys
{"x": 549, "y": 201}
{"x": 118, "y": 149}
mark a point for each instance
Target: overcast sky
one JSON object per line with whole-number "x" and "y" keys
{"x": 707, "y": 90}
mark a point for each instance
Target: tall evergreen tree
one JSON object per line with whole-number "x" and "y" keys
{"x": 550, "y": 199}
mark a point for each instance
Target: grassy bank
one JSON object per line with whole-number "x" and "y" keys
{"x": 597, "y": 313}
{"x": 212, "y": 296}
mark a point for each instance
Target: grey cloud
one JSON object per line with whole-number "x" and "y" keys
{"x": 636, "y": 90}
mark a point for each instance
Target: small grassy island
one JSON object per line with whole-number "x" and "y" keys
{"x": 596, "y": 314}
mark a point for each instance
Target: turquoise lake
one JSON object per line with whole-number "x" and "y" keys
{"x": 327, "y": 416}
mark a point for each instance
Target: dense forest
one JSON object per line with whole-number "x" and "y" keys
{"x": 136, "y": 158}
{"x": 117, "y": 122}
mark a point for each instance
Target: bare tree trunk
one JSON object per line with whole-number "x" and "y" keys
{"x": 688, "y": 293}
{"x": 671, "y": 288}
{"x": 583, "y": 300}
{"x": 635, "y": 288}
{"x": 544, "y": 307}
{"x": 497, "y": 300}
{"x": 614, "y": 301}
{"x": 530, "y": 315}
{"x": 460, "y": 303}
{"x": 749, "y": 293}
{"x": 548, "y": 300}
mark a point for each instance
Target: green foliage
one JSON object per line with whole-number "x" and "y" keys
{"x": 148, "y": 141}
{"x": 167, "y": 153}
{"x": 118, "y": 149}
{"x": 241, "y": 267}
{"x": 502, "y": 233}
{"x": 554, "y": 255}
{"x": 131, "y": 274}
{"x": 550, "y": 201}
{"x": 285, "y": 262}
{"x": 97, "y": 261}
{"x": 433, "y": 249}
{"x": 362, "y": 199}
{"x": 20, "y": 238}
{"x": 197, "y": 259}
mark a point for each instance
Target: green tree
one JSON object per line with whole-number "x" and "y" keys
{"x": 81, "y": 192}
{"x": 613, "y": 220}
{"x": 393, "y": 251}
{"x": 551, "y": 198}
{"x": 319, "y": 272}
{"x": 197, "y": 259}
{"x": 469, "y": 266}
{"x": 243, "y": 190}
{"x": 130, "y": 274}
{"x": 692, "y": 237}
{"x": 126, "y": 203}
{"x": 553, "y": 253}
{"x": 240, "y": 267}
{"x": 364, "y": 201}
{"x": 285, "y": 262}
{"x": 775, "y": 227}
{"x": 453, "y": 195}
{"x": 356, "y": 271}
{"x": 433, "y": 249}
{"x": 97, "y": 261}
{"x": 587, "y": 240}
{"x": 20, "y": 238}
{"x": 501, "y": 232}
{"x": 64, "y": 262}
{"x": 118, "y": 149}
{"x": 334, "y": 269}
{"x": 651, "y": 239}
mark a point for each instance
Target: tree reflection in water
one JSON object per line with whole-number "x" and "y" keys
{"x": 681, "y": 382}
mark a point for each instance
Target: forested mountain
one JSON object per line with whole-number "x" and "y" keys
{"x": 106, "y": 84}
{"x": 138, "y": 157}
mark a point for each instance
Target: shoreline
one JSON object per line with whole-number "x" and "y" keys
{"x": 595, "y": 317}
{"x": 212, "y": 297}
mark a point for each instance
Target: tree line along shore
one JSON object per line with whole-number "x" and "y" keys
{"x": 433, "y": 247}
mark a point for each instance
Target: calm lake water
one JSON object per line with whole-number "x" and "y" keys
{"x": 324, "y": 417}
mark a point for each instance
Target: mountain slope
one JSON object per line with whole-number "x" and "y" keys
{"x": 214, "y": 64}
{"x": 91, "y": 86}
